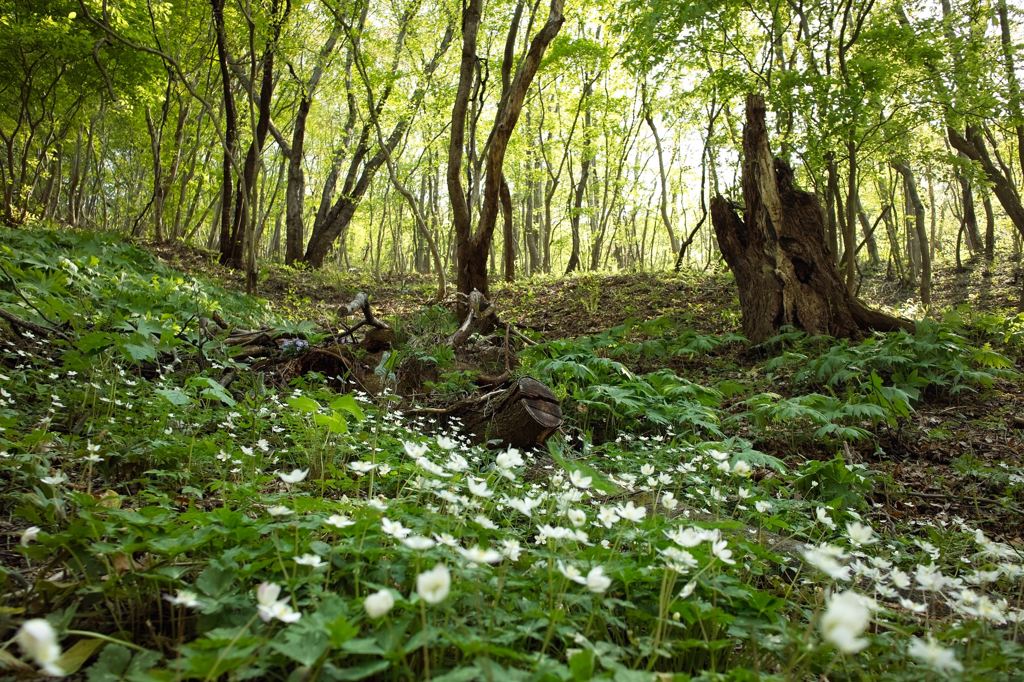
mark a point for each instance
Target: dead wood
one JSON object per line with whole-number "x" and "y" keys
{"x": 784, "y": 269}
{"x": 521, "y": 413}
{"x": 481, "y": 318}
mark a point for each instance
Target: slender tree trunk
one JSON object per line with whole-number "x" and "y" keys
{"x": 869, "y": 235}
{"x": 663, "y": 178}
{"x": 850, "y": 225}
{"x": 831, "y": 196}
{"x": 230, "y": 125}
{"x": 508, "y": 231}
{"x": 473, "y": 246}
{"x": 920, "y": 230}
{"x": 990, "y": 229}
{"x": 1013, "y": 83}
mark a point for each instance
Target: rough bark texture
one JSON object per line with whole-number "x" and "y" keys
{"x": 785, "y": 271}
{"x": 473, "y": 245}
{"x": 522, "y": 413}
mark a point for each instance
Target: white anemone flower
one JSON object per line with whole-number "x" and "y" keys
{"x": 418, "y": 542}
{"x": 597, "y": 582}
{"x": 741, "y": 468}
{"x": 57, "y": 478}
{"x": 511, "y": 549}
{"x": 311, "y": 560}
{"x": 394, "y": 528}
{"x": 29, "y": 535}
{"x": 433, "y": 586}
{"x": 577, "y": 478}
{"x": 826, "y": 559}
{"x": 846, "y": 618}
{"x": 577, "y": 517}
{"x": 478, "y": 555}
{"x": 38, "y": 640}
{"x": 479, "y": 488}
{"x": 295, "y": 476}
{"x": 631, "y": 512}
{"x": 571, "y": 572}
{"x": 929, "y": 578}
{"x": 415, "y": 450}
{"x": 860, "y": 534}
{"x": 378, "y": 604}
{"x": 456, "y": 462}
{"x": 339, "y": 521}
{"x": 824, "y": 519}
{"x": 360, "y": 467}
{"x": 279, "y": 510}
{"x": 934, "y": 655}
{"x": 271, "y": 608}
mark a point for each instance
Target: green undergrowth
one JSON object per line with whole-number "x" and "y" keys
{"x": 835, "y": 391}
{"x": 167, "y": 527}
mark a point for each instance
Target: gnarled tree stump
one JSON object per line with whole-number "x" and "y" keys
{"x": 784, "y": 269}
{"x": 522, "y": 413}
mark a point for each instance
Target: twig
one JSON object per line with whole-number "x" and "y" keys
{"x": 32, "y": 326}
{"x": 30, "y": 304}
{"x": 944, "y": 496}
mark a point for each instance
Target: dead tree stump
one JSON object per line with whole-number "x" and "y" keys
{"x": 521, "y": 413}
{"x": 784, "y": 269}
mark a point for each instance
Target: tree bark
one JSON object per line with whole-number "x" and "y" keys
{"x": 296, "y": 189}
{"x": 919, "y": 228}
{"x": 1013, "y": 98}
{"x": 972, "y": 145}
{"x": 473, "y": 246}
{"x": 784, "y": 270}
{"x": 230, "y": 122}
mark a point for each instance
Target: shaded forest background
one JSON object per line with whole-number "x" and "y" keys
{"x": 321, "y": 132}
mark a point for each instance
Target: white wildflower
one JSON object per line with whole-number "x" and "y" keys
{"x": 433, "y": 586}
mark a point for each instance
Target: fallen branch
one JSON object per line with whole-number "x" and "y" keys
{"x": 32, "y": 326}
{"x": 480, "y": 319}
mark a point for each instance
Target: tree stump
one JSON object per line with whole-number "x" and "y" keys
{"x": 784, "y": 269}
{"x": 521, "y": 413}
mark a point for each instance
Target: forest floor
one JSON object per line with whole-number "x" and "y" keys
{"x": 948, "y": 460}
{"x": 704, "y": 511}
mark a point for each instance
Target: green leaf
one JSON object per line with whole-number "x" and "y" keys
{"x": 334, "y": 422}
{"x": 347, "y": 403}
{"x": 363, "y": 645}
{"x": 303, "y": 404}
{"x": 581, "y": 664}
{"x": 140, "y": 352}
{"x": 80, "y": 652}
{"x": 213, "y": 390}
{"x": 303, "y": 642}
{"x": 361, "y": 672}
{"x": 175, "y": 396}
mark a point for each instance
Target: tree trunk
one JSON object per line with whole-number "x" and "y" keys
{"x": 970, "y": 218}
{"x": 230, "y": 124}
{"x": 973, "y": 146}
{"x": 1013, "y": 95}
{"x": 869, "y": 233}
{"x": 662, "y": 177}
{"x": 919, "y": 228}
{"x": 990, "y": 229}
{"x": 474, "y": 245}
{"x": 784, "y": 270}
{"x": 508, "y": 231}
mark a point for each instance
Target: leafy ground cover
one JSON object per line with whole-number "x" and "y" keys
{"x": 739, "y": 522}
